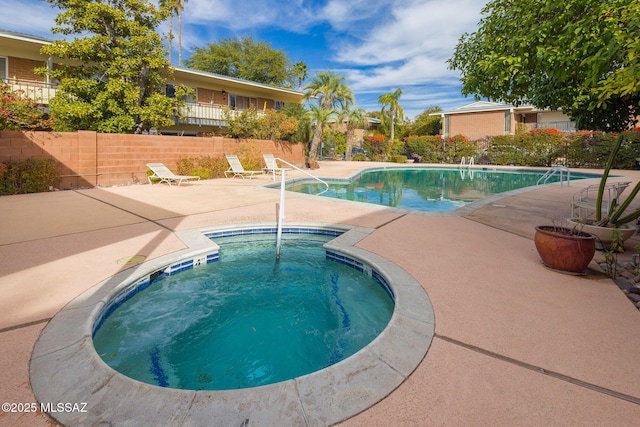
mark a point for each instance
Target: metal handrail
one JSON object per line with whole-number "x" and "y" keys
{"x": 551, "y": 172}
{"x": 280, "y": 206}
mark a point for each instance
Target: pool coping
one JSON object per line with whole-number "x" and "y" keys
{"x": 65, "y": 367}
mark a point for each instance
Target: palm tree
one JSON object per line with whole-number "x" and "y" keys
{"x": 320, "y": 117}
{"x": 172, "y": 7}
{"x": 179, "y": 10}
{"x": 354, "y": 118}
{"x": 331, "y": 91}
{"x": 395, "y": 110}
{"x": 301, "y": 72}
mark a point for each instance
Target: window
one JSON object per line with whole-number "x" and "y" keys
{"x": 445, "y": 130}
{"x": 507, "y": 122}
{"x": 3, "y": 68}
{"x": 278, "y": 105}
{"x": 241, "y": 102}
{"x": 170, "y": 91}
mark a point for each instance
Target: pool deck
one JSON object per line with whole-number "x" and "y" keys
{"x": 515, "y": 343}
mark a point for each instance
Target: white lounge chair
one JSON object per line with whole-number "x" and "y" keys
{"x": 272, "y": 165}
{"x": 161, "y": 172}
{"x": 236, "y": 169}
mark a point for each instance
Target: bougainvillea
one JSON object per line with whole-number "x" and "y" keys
{"x": 18, "y": 111}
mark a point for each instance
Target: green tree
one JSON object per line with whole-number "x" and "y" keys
{"x": 425, "y": 124}
{"x": 391, "y": 101}
{"x": 114, "y": 80}
{"x": 582, "y": 56}
{"x": 354, "y": 118}
{"x": 331, "y": 92}
{"x": 244, "y": 59}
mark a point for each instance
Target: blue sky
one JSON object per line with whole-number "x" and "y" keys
{"x": 378, "y": 45}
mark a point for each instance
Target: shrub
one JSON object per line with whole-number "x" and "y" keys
{"x": 27, "y": 176}
{"x": 539, "y": 147}
{"x": 398, "y": 158}
{"x": 426, "y": 148}
{"x": 458, "y": 146}
{"x": 205, "y": 167}
{"x": 18, "y": 111}
{"x": 360, "y": 157}
{"x": 376, "y": 145}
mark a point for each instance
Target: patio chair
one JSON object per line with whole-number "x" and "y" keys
{"x": 583, "y": 205}
{"x": 161, "y": 172}
{"x": 272, "y": 165}
{"x": 236, "y": 169}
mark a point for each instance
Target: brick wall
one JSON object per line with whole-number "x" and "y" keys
{"x": 87, "y": 159}
{"x": 478, "y": 125}
{"x": 22, "y": 69}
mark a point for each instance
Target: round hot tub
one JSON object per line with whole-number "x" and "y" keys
{"x": 344, "y": 380}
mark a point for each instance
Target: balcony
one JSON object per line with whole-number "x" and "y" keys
{"x": 204, "y": 114}
{"x": 194, "y": 113}
{"x": 39, "y": 92}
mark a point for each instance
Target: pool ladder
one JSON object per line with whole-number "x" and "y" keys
{"x": 466, "y": 162}
{"x": 280, "y": 206}
{"x": 556, "y": 170}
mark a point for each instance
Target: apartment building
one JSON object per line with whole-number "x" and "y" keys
{"x": 203, "y": 115}
{"x": 480, "y": 120}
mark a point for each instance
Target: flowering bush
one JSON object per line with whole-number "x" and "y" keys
{"x": 376, "y": 145}
{"x": 17, "y": 111}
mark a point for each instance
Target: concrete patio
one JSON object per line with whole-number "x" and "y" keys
{"x": 515, "y": 343}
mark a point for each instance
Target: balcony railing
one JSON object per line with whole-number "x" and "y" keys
{"x": 203, "y": 114}
{"x": 194, "y": 113}
{"x": 39, "y": 92}
{"x": 206, "y": 114}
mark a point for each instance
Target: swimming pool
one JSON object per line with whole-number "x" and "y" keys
{"x": 426, "y": 189}
{"x": 248, "y": 319}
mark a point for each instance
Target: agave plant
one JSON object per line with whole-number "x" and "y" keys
{"x": 615, "y": 217}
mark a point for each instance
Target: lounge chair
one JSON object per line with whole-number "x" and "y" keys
{"x": 161, "y": 172}
{"x": 236, "y": 169}
{"x": 272, "y": 165}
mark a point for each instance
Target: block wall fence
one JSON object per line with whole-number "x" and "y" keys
{"x": 89, "y": 159}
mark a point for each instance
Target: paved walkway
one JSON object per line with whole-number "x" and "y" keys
{"x": 515, "y": 344}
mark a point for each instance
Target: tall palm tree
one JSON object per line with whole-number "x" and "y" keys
{"x": 179, "y": 10}
{"x": 319, "y": 117}
{"x": 172, "y": 8}
{"x": 390, "y": 100}
{"x": 332, "y": 92}
{"x": 354, "y": 119}
{"x": 301, "y": 72}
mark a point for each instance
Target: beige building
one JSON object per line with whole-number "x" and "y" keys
{"x": 204, "y": 112}
{"x": 480, "y": 120}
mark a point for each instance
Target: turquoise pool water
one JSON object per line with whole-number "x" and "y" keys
{"x": 428, "y": 190}
{"x": 247, "y": 319}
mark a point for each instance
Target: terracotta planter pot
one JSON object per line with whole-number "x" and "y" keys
{"x": 564, "y": 249}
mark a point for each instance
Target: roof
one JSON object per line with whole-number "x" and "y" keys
{"x": 483, "y": 106}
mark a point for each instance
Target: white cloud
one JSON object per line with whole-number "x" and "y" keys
{"x": 242, "y": 15}
{"x": 417, "y": 28}
{"x": 29, "y": 17}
